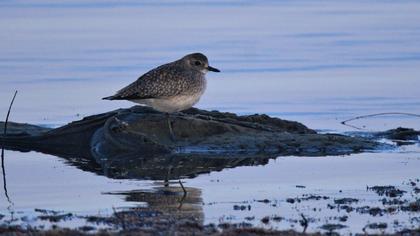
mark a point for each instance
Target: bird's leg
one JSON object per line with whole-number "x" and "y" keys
{"x": 183, "y": 189}
{"x": 181, "y": 202}
{"x": 167, "y": 177}
{"x": 171, "y": 132}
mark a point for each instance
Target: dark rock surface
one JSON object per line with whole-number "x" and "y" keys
{"x": 135, "y": 143}
{"x": 400, "y": 133}
{"x": 143, "y": 131}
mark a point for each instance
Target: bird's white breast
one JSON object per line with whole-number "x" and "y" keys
{"x": 171, "y": 104}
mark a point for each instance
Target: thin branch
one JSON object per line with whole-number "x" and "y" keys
{"x": 2, "y": 148}
{"x": 8, "y": 113}
{"x": 304, "y": 222}
{"x": 376, "y": 114}
{"x": 380, "y": 114}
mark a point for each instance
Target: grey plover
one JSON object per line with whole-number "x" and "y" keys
{"x": 171, "y": 87}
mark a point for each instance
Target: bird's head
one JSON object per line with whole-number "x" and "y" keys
{"x": 198, "y": 62}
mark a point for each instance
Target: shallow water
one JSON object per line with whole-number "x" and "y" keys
{"x": 317, "y": 62}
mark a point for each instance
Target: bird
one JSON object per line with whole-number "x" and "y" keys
{"x": 169, "y": 88}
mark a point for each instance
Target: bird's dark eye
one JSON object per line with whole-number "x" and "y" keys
{"x": 197, "y": 63}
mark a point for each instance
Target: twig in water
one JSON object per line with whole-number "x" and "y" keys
{"x": 2, "y": 148}
{"x": 304, "y": 222}
{"x": 376, "y": 114}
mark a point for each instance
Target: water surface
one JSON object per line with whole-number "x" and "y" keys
{"x": 317, "y": 62}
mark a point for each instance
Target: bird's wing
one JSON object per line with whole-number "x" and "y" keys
{"x": 163, "y": 81}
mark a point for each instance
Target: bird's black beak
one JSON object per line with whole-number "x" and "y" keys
{"x": 213, "y": 69}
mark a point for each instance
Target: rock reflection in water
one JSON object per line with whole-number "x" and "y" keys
{"x": 169, "y": 167}
{"x": 162, "y": 206}
{"x": 156, "y": 167}
{"x": 73, "y": 146}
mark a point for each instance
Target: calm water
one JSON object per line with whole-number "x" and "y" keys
{"x": 317, "y": 62}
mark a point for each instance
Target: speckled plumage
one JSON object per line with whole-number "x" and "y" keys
{"x": 171, "y": 87}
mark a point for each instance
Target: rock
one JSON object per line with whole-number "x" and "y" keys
{"x": 17, "y": 129}
{"x": 412, "y": 206}
{"x": 377, "y": 226}
{"x": 342, "y": 201}
{"x": 143, "y": 131}
{"x": 332, "y": 227}
{"x": 389, "y": 191}
{"x": 265, "y": 220}
{"x": 135, "y": 143}
{"x": 400, "y": 133}
{"x": 290, "y": 200}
